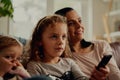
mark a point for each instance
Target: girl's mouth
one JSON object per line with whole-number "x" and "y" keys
{"x": 59, "y": 49}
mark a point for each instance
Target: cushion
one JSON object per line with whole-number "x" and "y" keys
{"x": 116, "y": 51}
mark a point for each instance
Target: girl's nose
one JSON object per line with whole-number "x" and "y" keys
{"x": 60, "y": 41}
{"x": 14, "y": 62}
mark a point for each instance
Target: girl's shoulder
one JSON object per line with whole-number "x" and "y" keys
{"x": 33, "y": 63}
{"x": 67, "y": 60}
{"x": 1, "y": 78}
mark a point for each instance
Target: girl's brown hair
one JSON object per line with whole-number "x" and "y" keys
{"x": 6, "y": 42}
{"x": 36, "y": 51}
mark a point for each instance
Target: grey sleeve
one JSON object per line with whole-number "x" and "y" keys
{"x": 77, "y": 73}
{"x": 33, "y": 69}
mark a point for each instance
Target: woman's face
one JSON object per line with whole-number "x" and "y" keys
{"x": 75, "y": 27}
{"x": 8, "y": 58}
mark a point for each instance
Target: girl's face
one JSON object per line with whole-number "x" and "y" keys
{"x": 75, "y": 27}
{"x": 54, "y": 40}
{"x": 8, "y": 58}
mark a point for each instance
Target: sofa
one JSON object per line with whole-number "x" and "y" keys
{"x": 116, "y": 51}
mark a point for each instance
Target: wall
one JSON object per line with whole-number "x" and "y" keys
{"x": 99, "y": 9}
{"x": 84, "y": 9}
{"x": 26, "y": 15}
{"x": 4, "y": 25}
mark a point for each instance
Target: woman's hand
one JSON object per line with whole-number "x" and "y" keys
{"x": 100, "y": 74}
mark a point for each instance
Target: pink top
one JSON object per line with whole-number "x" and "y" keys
{"x": 88, "y": 61}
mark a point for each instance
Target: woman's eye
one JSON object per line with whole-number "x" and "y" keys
{"x": 70, "y": 24}
{"x": 80, "y": 21}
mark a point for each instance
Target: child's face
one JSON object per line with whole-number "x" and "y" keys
{"x": 9, "y": 57}
{"x": 54, "y": 40}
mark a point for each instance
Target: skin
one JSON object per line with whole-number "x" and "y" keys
{"x": 53, "y": 42}
{"x": 76, "y": 30}
{"x": 8, "y": 58}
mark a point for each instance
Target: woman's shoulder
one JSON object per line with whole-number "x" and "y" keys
{"x": 99, "y": 42}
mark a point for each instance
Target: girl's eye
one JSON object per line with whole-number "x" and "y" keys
{"x": 64, "y": 36}
{"x": 19, "y": 59}
{"x": 8, "y": 57}
{"x": 54, "y": 36}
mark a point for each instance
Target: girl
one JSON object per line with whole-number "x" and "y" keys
{"x": 47, "y": 54}
{"x": 10, "y": 52}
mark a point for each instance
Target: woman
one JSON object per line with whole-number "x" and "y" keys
{"x": 88, "y": 54}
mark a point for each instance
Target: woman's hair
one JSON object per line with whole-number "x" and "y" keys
{"x": 35, "y": 48}
{"x": 63, "y": 11}
{"x": 6, "y": 42}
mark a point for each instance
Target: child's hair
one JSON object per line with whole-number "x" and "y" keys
{"x": 6, "y": 42}
{"x": 35, "y": 49}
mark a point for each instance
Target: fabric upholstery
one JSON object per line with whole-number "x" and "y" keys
{"x": 116, "y": 51}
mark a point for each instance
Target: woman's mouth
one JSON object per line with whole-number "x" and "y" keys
{"x": 78, "y": 32}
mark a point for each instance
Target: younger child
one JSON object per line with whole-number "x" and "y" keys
{"x": 10, "y": 52}
{"x": 47, "y": 54}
